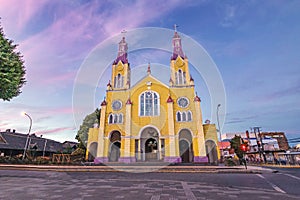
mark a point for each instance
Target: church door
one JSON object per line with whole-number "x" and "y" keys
{"x": 211, "y": 152}
{"x": 115, "y": 152}
{"x": 149, "y": 141}
{"x": 184, "y": 151}
{"x": 186, "y": 146}
{"x": 115, "y": 145}
{"x": 151, "y": 149}
{"x": 92, "y": 151}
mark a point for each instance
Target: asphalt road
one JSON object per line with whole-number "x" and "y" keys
{"x": 22, "y": 184}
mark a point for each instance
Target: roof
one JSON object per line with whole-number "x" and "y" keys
{"x": 71, "y": 144}
{"x": 16, "y": 141}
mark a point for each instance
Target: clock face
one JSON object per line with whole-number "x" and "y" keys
{"x": 116, "y": 105}
{"x": 183, "y": 102}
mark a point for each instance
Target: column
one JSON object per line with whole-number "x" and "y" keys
{"x": 199, "y": 140}
{"x": 101, "y": 158}
{"x": 171, "y": 146}
{"x": 126, "y": 155}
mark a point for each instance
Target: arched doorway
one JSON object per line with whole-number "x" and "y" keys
{"x": 186, "y": 146}
{"x": 211, "y": 152}
{"x": 92, "y": 151}
{"x": 115, "y": 145}
{"x": 150, "y": 144}
{"x": 151, "y": 149}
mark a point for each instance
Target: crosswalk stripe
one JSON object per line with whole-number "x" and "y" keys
{"x": 295, "y": 177}
{"x": 278, "y": 189}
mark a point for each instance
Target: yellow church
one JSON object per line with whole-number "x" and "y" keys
{"x": 151, "y": 121}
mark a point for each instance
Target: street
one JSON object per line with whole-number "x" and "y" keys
{"x": 23, "y": 184}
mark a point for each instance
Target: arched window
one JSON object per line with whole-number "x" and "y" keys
{"x": 183, "y": 78}
{"x": 189, "y": 116}
{"x": 149, "y": 104}
{"x": 119, "y": 79}
{"x": 120, "y": 119}
{"x": 178, "y": 115}
{"x": 110, "y": 119}
{"x": 183, "y": 116}
{"x": 115, "y": 118}
{"x": 180, "y": 77}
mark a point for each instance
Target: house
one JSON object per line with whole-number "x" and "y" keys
{"x": 13, "y": 144}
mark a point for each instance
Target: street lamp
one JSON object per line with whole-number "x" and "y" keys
{"x": 26, "y": 144}
{"x": 218, "y": 107}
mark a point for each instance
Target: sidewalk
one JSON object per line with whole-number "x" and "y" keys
{"x": 139, "y": 169}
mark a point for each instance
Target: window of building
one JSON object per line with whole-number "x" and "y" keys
{"x": 185, "y": 116}
{"x": 110, "y": 119}
{"x": 189, "y": 116}
{"x": 180, "y": 77}
{"x": 121, "y": 118}
{"x": 149, "y": 104}
{"x": 115, "y": 118}
{"x": 119, "y": 81}
{"x": 178, "y": 116}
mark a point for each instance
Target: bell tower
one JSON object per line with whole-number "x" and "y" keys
{"x": 180, "y": 75}
{"x": 120, "y": 77}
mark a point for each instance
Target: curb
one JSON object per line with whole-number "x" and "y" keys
{"x": 138, "y": 169}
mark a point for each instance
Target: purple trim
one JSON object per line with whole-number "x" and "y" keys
{"x": 99, "y": 160}
{"x": 127, "y": 159}
{"x": 173, "y": 159}
{"x": 123, "y": 59}
{"x": 174, "y": 56}
{"x": 201, "y": 159}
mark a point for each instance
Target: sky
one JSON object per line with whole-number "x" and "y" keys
{"x": 254, "y": 44}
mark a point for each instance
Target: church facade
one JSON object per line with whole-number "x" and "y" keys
{"x": 152, "y": 121}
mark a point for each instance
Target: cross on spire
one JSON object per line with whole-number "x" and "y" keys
{"x": 149, "y": 69}
{"x": 122, "y": 52}
{"x": 123, "y": 32}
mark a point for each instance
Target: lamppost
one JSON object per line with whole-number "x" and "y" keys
{"x": 28, "y": 135}
{"x": 218, "y": 107}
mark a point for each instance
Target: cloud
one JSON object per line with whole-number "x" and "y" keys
{"x": 229, "y": 16}
{"x": 56, "y": 52}
{"x": 236, "y": 120}
{"x": 17, "y": 14}
{"x": 284, "y": 92}
{"x": 54, "y": 131}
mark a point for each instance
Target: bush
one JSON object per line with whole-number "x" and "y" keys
{"x": 229, "y": 162}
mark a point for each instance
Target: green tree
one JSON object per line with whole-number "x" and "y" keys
{"x": 235, "y": 144}
{"x": 88, "y": 122}
{"x": 12, "y": 70}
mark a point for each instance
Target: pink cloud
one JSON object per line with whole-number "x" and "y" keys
{"x": 55, "y": 130}
{"x": 16, "y": 14}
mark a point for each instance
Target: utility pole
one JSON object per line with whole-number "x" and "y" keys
{"x": 44, "y": 147}
{"x": 260, "y": 143}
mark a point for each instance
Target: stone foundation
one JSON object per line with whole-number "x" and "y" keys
{"x": 127, "y": 159}
{"x": 173, "y": 159}
{"x": 99, "y": 160}
{"x": 200, "y": 159}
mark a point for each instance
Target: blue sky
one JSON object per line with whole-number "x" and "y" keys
{"x": 255, "y": 45}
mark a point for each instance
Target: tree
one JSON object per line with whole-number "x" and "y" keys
{"x": 240, "y": 147}
{"x": 88, "y": 122}
{"x": 235, "y": 144}
{"x": 12, "y": 70}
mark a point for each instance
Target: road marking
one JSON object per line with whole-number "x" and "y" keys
{"x": 278, "y": 189}
{"x": 155, "y": 197}
{"x": 295, "y": 177}
{"x": 188, "y": 192}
